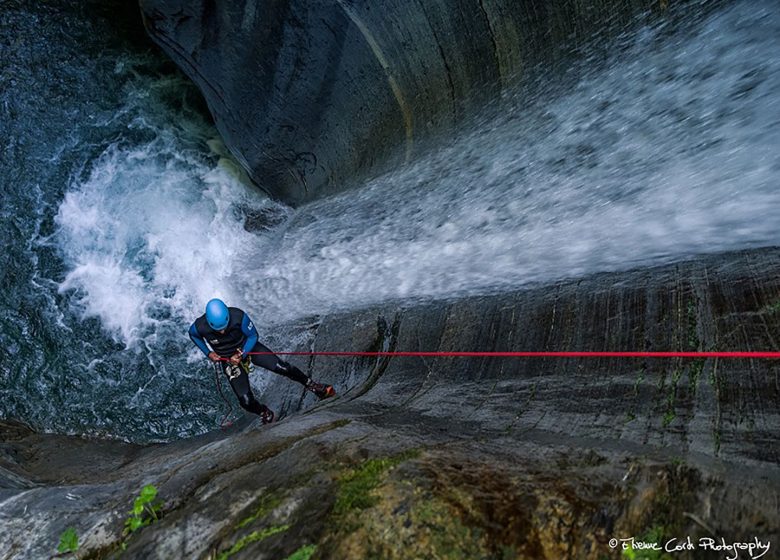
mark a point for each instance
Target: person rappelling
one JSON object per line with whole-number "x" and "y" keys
{"x": 226, "y": 335}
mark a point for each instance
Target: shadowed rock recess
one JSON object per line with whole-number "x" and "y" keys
{"x": 461, "y": 457}
{"x": 312, "y": 95}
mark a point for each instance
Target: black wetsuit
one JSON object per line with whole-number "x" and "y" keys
{"x": 241, "y": 334}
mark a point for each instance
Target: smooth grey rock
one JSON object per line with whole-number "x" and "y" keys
{"x": 310, "y": 95}
{"x": 574, "y": 450}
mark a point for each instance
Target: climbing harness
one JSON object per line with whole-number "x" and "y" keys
{"x": 233, "y": 371}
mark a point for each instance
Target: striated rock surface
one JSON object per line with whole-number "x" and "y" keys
{"x": 461, "y": 457}
{"x": 311, "y": 94}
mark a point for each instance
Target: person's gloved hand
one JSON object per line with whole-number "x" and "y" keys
{"x": 213, "y": 356}
{"x": 235, "y": 359}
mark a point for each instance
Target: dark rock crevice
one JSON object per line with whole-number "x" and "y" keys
{"x": 447, "y": 71}
{"x": 493, "y": 40}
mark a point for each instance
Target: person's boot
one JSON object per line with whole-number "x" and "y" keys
{"x": 266, "y": 414}
{"x": 320, "y": 389}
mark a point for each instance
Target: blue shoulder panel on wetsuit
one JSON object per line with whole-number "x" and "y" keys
{"x": 198, "y": 340}
{"x": 248, "y": 328}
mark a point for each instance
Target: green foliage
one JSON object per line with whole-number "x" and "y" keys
{"x": 254, "y": 536}
{"x": 303, "y": 553}
{"x": 357, "y": 484}
{"x": 640, "y": 378}
{"x": 654, "y": 535}
{"x": 69, "y": 541}
{"x": 697, "y": 366}
{"x": 268, "y": 503}
{"x": 447, "y": 535}
{"x": 773, "y": 307}
{"x": 670, "y": 415}
{"x": 146, "y": 510}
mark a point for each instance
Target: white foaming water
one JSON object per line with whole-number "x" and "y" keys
{"x": 671, "y": 151}
{"x": 152, "y": 234}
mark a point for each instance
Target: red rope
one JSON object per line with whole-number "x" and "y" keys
{"x": 754, "y": 355}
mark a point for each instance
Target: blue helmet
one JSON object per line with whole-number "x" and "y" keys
{"x": 217, "y": 314}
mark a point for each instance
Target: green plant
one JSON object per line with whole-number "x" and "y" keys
{"x": 303, "y": 553}
{"x": 773, "y": 307}
{"x": 356, "y": 485}
{"x": 254, "y": 536}
{"x": 268, "y": 503}
{"x": 69, "y": 541}
{"x": 146, "y": 510}
{"x": 654, "y": 535}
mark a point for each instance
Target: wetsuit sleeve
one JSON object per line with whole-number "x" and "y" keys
{"x": 198, "y": 340}
{"x": 248, "y": 328}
